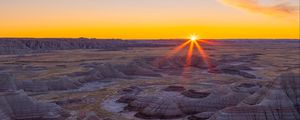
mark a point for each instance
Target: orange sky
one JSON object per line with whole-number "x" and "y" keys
{"x": 150, "y": 19}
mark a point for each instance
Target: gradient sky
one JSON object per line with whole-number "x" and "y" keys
{"x": 135, "y": 19}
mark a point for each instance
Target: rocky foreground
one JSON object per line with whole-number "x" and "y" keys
{"x": 276, "y": 100}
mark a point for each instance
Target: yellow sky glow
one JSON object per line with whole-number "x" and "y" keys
{"x": 142, "y": 19}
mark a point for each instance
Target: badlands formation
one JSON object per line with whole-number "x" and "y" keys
{"x": 87, "y": 79}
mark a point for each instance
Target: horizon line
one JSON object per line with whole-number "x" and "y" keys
{"x": 92, "y": 38}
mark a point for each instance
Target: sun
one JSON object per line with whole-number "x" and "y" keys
{"x": 193, "y": 37}
{"x": 193, "y": 43}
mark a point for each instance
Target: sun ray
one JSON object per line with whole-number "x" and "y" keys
{"x": 177, "y": 49}
{"x": 209, "y": 42}
{"x": 203, "y": 55}
{"x": 193, "y": 43}
{"x": 188, "y": 61}
{"x": 190, "y": 54}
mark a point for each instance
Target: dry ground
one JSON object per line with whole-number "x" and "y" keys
{"x": 276, "y": 58}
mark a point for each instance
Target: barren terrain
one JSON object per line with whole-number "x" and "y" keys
{"x": 255, "y": 80}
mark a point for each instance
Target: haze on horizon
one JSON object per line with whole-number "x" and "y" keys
{"x": 150, "y": 19}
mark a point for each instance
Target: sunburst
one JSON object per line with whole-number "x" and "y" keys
{"x": 193, "y": 43}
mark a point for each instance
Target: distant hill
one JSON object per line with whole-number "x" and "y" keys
{"x": 38, "y": 45}
{"x": 33, "y": 45}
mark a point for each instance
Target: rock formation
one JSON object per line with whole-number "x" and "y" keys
{"x": 97, "y": 72}
{"x": 195, "y": 94}
{"x": 15, "y": 104}
{"x": 201, "y": 116}
{"x": 234, "y": 70}
{"x": 161, "y": 108}
{"x": 20, "y": 106}
{"x": 4, "y": 116}
{"x": 139, "y": 69}
{"x": 7, "y": 83}
{"x": 173, "y": 104}
{"x": 247, "y": 87}
{"x": 241, "y": 100}
{"x": 290, "y": 83}
{"x": 139, "y": 103}
{"x": 107, "y": 70}
{"x": 273, "y": 102}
